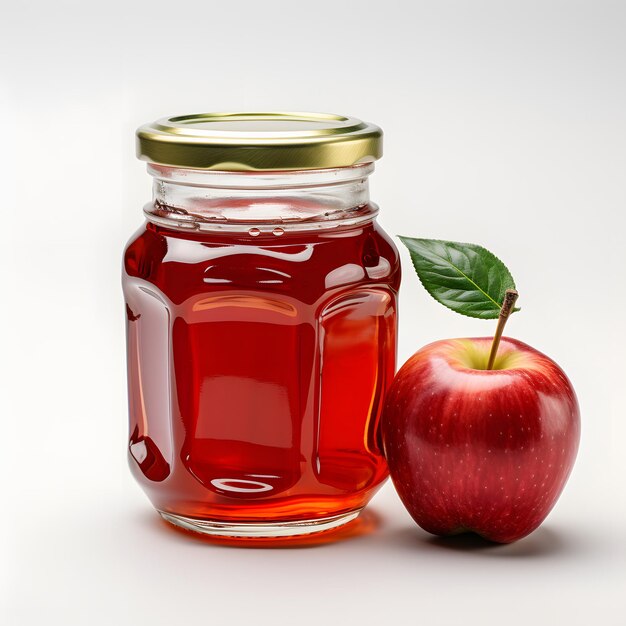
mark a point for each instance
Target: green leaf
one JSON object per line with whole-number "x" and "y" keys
{"x": 462, "y": 276}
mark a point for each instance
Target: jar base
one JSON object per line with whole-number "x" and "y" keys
{"x": 260, "y": 530}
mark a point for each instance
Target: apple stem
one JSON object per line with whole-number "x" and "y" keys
{"x": 510, "y": 297}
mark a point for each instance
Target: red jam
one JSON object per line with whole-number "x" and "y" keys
{"x": 257, "y": 365}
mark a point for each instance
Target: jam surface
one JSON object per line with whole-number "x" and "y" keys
{"x": 257, "y": 366}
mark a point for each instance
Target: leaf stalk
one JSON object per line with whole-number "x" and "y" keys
{"x": 510, "y": 297}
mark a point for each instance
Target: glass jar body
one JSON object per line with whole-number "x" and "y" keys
{"x": 258, "y": 357}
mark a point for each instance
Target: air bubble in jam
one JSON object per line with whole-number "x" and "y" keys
{"x": 278, "y": 232}
{"x": 254, "y": 232}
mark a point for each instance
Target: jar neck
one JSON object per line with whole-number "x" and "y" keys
{"x": 194, "y": 199}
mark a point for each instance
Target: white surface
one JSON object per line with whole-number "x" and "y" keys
{"x": 505, "y": 126}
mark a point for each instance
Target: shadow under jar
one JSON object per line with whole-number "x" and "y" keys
{"x": 261, "y": 323}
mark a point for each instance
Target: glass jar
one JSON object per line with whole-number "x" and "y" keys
{"x": 261, "y": 323}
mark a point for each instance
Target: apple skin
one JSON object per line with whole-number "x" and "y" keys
{"x": 476, "y": 450}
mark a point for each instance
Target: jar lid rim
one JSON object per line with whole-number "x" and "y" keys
{"x": 271, "y": 140}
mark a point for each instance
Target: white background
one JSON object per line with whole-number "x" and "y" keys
{"x": 505, "y": 126}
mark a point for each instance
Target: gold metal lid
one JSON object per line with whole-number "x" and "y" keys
{"x": 259, "y": 141}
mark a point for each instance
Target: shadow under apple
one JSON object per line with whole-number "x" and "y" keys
{"x": 543, "y": 542}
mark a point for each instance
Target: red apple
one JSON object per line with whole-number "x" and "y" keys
{"x": 477, "y": 450}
